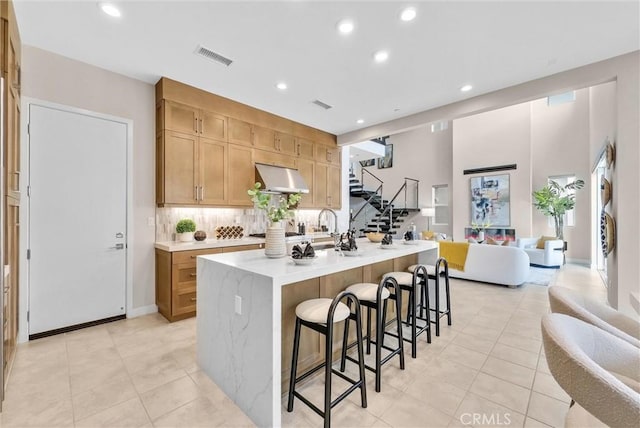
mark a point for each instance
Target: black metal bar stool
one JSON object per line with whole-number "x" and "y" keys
{"x": 441, "y": 269}
{"x": 375, "y": 296}
{"x": 320, "y": 315}
{"x": 411, "y": 283}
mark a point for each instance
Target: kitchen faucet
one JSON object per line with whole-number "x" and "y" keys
{"x": 335, "y": 218}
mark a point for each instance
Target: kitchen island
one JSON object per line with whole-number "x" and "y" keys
{"x": 245, "y": 314}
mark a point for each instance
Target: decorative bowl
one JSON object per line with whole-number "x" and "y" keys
{"x": 411, "y": 242}
{"x": 351, "y": 253}
{"x": 374, "y": 236}
{"x": 304, "y": 260}
{"x": 388, "y": 246}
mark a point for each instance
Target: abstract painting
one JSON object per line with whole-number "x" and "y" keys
{"x": 490, "y": 200}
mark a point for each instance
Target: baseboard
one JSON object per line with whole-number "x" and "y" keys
{"x": 582, "y": 262}
{"x": 142, "y": 310}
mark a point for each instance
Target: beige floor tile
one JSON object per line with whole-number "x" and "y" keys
{"x": 532, "y": 423}
{"x": 516, "y": 341}
{"x": 547, "y": 410}
{"x": 510, "y": 372}
{"x": 38, "y": 414}
{"x": 464, "y": 356}
{"x": 169, "y": 396}
{"x": 502, "y": 392}
{"x": 487, "y": 333}
{"x": 131, "y": 413}
{"x": 155, "y": 375}
{"x": 514, "y": 355}
{"x": 475, "y": 343}
{"x": 407, "y": 411}
{"x": 377, "y": 402}
{"x": 441, "y": 395}
{"x": 93, "y": 376}
{"x": 203, "y": 413}
{"x": 294, "y": 419}
{"x": 442, "y": 370}
{"x": 104, "y": 396}
{"x": 480, "y": 412}
{"x": 547, "y": 385}
{"x": 542, "y": 364}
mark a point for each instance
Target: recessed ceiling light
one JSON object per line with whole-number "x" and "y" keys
{"x": 345, "y": 26}
{"x": 408, "y": 14}
{"x": 466, "y": 88}
{"x": 281, "y": 85}
{"x": 360, "y": 121}
{"x": 110, "y": 9}
{"x": 381, "y": 56}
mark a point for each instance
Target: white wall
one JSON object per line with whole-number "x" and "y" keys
{"x": 498, "y": 137}
{"x": 624, "y": 262}
{"x": 53, "y": 78}
{"x": 560, "y": 146}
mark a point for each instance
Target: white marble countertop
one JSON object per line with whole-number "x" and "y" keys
{"x": 172, "y": 246}
{"x": 285, "y": 271}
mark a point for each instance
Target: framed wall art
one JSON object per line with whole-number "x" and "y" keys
{"x": 490, "y": 200}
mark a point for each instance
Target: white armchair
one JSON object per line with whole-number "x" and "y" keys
{"x": 549, "y": 257}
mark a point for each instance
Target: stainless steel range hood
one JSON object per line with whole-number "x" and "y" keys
{"x": 279, "y": 179}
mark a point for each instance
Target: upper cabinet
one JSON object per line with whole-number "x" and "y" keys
{"x": 207, "y": 147}
{"x": 183, "y": 118}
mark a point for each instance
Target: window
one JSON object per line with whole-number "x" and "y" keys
{"x": 440, "y": 201}
{"x": 563, "y": 180}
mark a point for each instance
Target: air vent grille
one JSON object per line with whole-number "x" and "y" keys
{"x": 209, "y": 54}
{"x": 321, "y": 104}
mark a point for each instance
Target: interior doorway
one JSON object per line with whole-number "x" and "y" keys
{"x": 78, "y": 202}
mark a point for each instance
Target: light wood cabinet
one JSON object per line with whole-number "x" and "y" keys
{"x": 263, "y": 138}
{"x": 307, "y": 169}
{"x": 304, "y": 148}
{"x": 192, "y": 170}
{"x": 327, "y": 186}
{"x": 327, "y": 154}
{"x": 207, "y": 147}
{"x": 241, "y": 175}
{"x": 186, "y": 119}
{"x": 240, "y": 132}
{"x": 176, "y": 295}
{"x": 273, "y": 158}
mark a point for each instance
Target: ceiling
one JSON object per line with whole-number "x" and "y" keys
{"x": 490, "y": 45}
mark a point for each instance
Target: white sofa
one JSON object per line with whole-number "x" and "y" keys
{"x": 496, "y": 264}
{"x": 550, "y": 257}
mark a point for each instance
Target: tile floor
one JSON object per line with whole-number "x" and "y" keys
{"x": 142, "y": 373}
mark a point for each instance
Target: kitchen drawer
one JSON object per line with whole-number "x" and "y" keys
{"x": 184, "y": 302}
{"x": 242, "y": 248}
{"x": 180, "y": 257}
{"x": 184, "y": 275}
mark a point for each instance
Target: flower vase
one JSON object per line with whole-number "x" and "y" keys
{"x": 481, "y": 236}
{"x": 274, "y": 245}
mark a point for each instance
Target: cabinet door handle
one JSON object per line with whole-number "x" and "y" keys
{"x": 202, "y": 193}
{"x": 193, "y": 299}
{"x": 196, "y": 192}
{"x": 193, "y": 274}
{"x": 193, "y": 257}
{"x": 329, "y": 200}
{"x": 328, "y": 156}
{"x": 201, "y": 126}
{"x": 195, "y": 125}
{"x": 298, "y": 149}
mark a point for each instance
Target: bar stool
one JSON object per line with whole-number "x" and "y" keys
{"x": 375, "y": 296}
{"x": 320, "y": 315}
{"x": 411, "y": 283}
{"x": 441, "y": 269}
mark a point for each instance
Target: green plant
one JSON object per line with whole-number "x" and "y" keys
{"x": 479, "y": 227}
{"x": 554, "y": 200}
{"x": 185, "y": 225}
{"x": 277, "y": 209}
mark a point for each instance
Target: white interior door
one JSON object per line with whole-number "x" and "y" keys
{"x": 77, "y": 218}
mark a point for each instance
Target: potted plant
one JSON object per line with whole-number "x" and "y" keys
{"x": 277, "y": 207}
{"x": 479, "y": 229}
{"x": 554, "y": 200}
{"x": 185, "y": 229}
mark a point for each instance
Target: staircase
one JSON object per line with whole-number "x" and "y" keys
{"x": 387, "y": 218}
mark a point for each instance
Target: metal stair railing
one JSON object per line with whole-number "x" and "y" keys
{"x": 376, "y": 193}
{"x": 389, "y": 208}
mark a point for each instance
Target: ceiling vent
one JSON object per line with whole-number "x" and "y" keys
{"x": 321, "y": 104}
{"x": 209, "y": 54}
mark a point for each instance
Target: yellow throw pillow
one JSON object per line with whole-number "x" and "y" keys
{"x": 544, "y": 239}
{"x": 427, "y": 234}
{"x": 491, "y": 241}
{"x": 506, "y": 243}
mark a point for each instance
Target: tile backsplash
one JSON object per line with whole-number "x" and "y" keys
{"x": 207, "y": 219}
